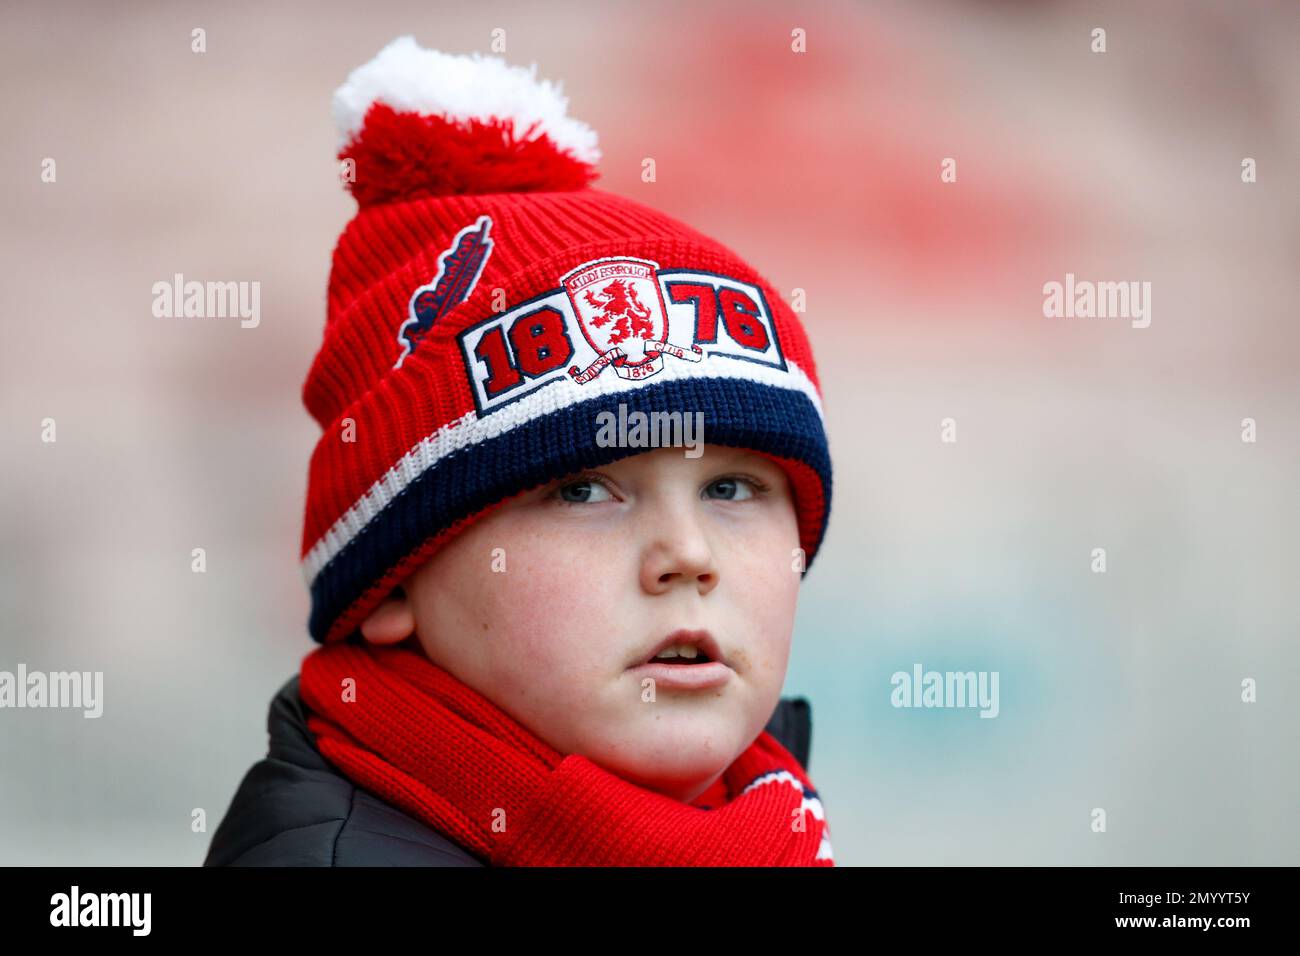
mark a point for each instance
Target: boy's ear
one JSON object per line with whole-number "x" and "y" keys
{"x": 392, "y": 622}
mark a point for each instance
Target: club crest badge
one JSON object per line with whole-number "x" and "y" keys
{"x": 620, "y": 309}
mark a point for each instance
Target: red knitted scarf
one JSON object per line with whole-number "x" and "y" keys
{"x": 404, "y": 728}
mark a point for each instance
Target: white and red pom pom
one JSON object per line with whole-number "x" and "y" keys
{"x": 420, "y": 122}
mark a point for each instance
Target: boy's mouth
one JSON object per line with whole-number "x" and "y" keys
{"x": 682, "y": 655}
{"x": 684, "y": 648}
{"x": 684, "y": 661}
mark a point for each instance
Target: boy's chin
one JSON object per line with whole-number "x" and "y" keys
{"x": 671, "y": 764}
{"x": 682, "y": 782}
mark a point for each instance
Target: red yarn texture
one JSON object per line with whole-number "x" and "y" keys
{"x": 402, "y": 155}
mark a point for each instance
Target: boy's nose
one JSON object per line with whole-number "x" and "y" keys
{"x": 678, "y": 552}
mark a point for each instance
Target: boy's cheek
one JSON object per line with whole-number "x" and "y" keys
{"x": 544, "y": 619}
{"x": 765, "y": 576}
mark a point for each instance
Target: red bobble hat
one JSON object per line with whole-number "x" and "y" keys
{"x": 486, "y": 304}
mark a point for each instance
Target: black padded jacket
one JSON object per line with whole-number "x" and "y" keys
{"x": 294, "y": 808}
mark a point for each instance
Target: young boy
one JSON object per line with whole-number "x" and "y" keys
{"x": 572, "y": 470}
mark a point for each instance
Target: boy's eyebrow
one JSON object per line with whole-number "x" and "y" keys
{"x": 746, "y": 455}
{"x": 721, "y": 456}
{"x": 738, "y": 458}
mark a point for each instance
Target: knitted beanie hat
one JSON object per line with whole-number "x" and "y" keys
{"x": 486, "y": 305}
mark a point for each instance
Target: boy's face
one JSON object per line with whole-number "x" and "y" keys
{"x": 592, "y": 573}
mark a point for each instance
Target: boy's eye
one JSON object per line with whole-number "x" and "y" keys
{"x": 588, "y": 490}
{"x": 731, "y": 489}
{"x": 581, "y": 492}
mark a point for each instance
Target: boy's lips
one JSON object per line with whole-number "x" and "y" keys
{"x": 684, "y": 676}
{"x": 699, "y": 638}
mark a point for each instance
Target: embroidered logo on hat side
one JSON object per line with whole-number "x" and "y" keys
{"x": 459, "y": 268}
{"x": 617, "y": 312}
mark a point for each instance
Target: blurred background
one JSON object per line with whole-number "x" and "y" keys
{"x": 1119, "y": 691}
